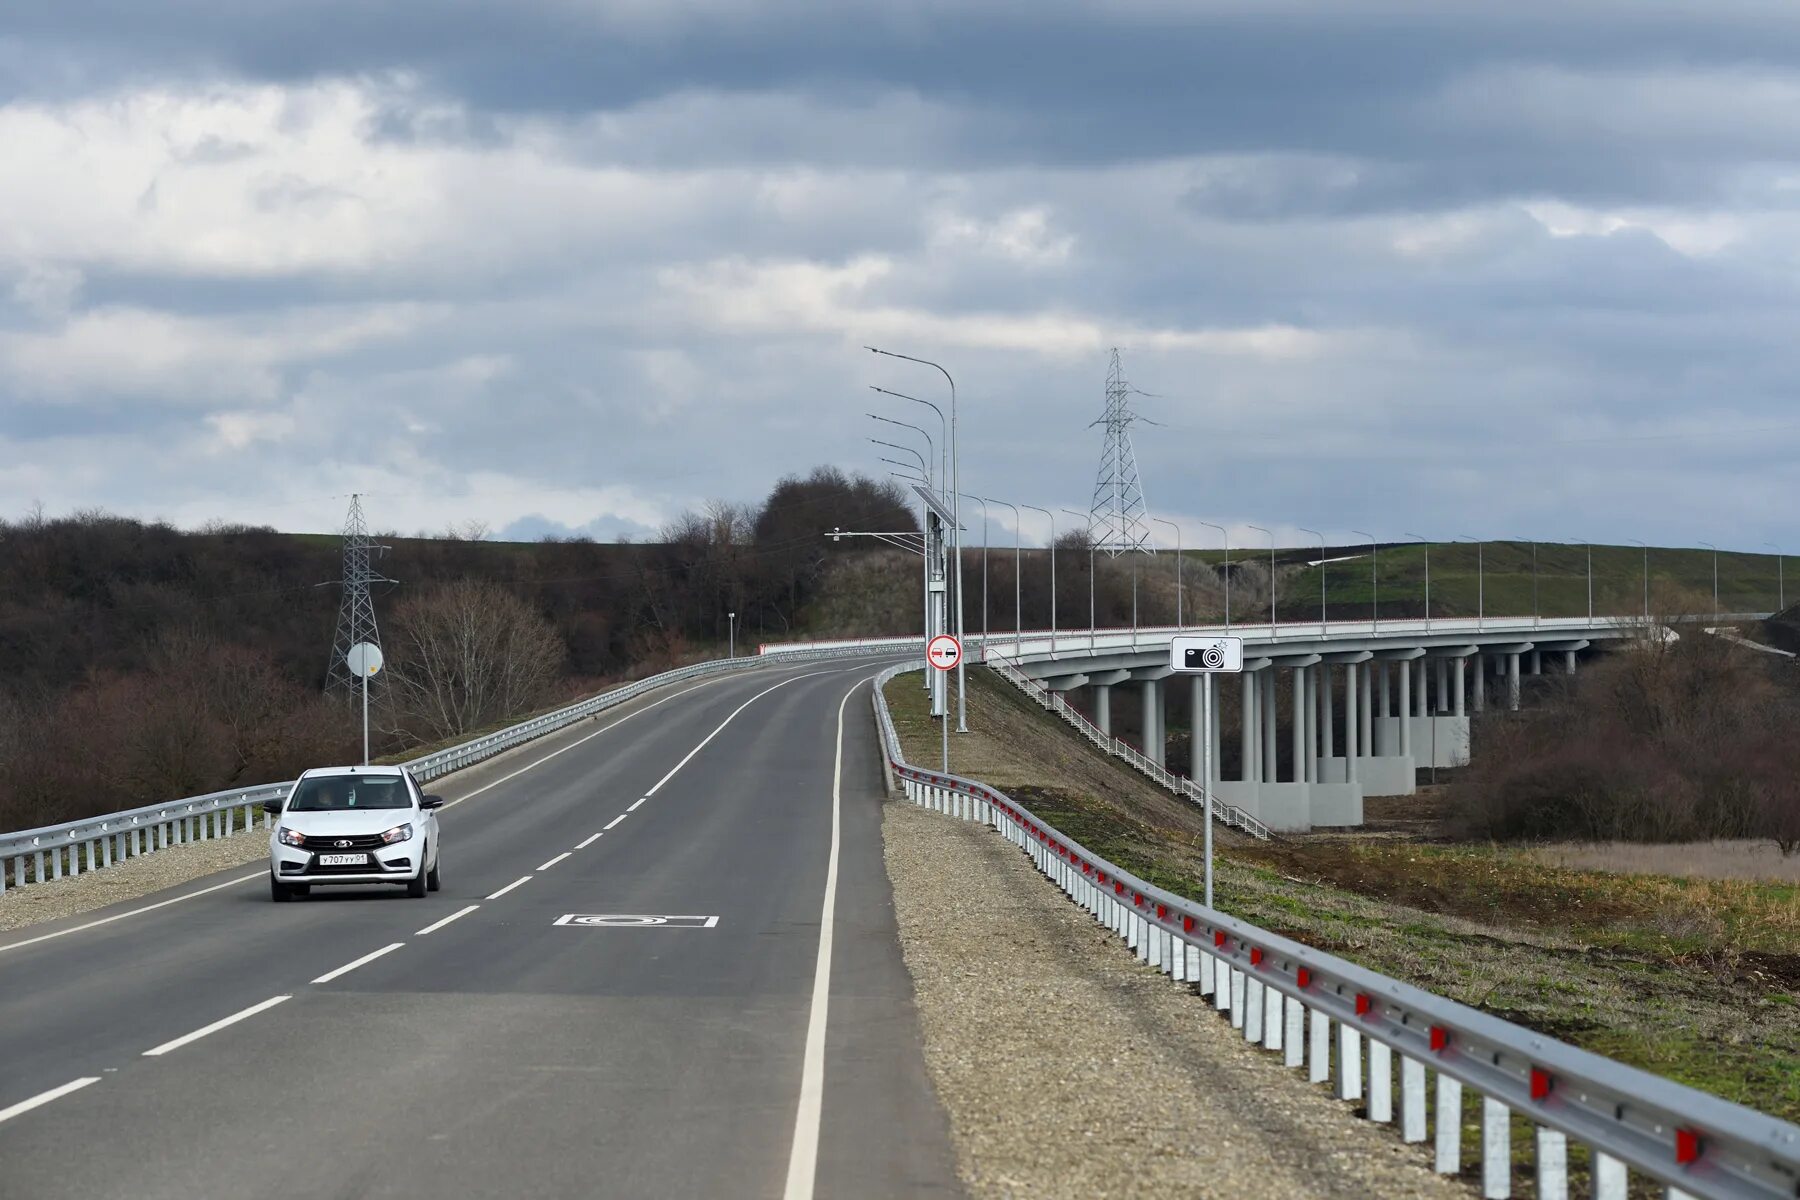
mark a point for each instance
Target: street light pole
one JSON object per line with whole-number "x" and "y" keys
{"x": 930, "y": 445}
{"x": 1780, "y": 579}
{"x": 955, "y": 483}
{"x": 1226, "y": 538}
{"x": 1590, "y": 575}
{"x": 1321, "y": 537}
{"x": 1427, "y": 579}
{"x": 943, "y": 442}
{"x": 924, "y": 469}
{"x": 1272, "y": 630}
{"x": 1089, "y": 518}
{"x": 1177, "y": 529}
{"x": 1534, "y": 582}
{"x": 1646, "y": 546}
{"x": 732, "y": 652}
{"x": 1480, "y": 583}
{"x": 1018, "y": 577}
{"x": 1374, "y": 581}
{"x": 1715, "y": 551}
{"x": 1052, "y": 516}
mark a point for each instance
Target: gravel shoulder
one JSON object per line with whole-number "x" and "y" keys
{"x": 1070, "y": 1069}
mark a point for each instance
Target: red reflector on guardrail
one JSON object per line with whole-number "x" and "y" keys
{"x": 1187, "y": 924}
{"x": 1256, "y": 956}
{"x": 1118, "y": 889}
{"x": 1363, "y": 1004}
{"x": 1303, "y": 977}
{"x": 1162, "y": 911}
{"x": 1440, "y": 1037}
{"x": 1218, "y": 937}
{"x": 1687, "y": 1146}
{"x": 1137, "y": 899}
{"x": 1540, "y": 1083}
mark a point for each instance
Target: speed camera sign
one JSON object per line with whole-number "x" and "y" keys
{"x": 1221, "y": 655}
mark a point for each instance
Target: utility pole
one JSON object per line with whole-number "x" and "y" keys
{"x": 1118, "y": 505}
{"x": 356, "y": 606}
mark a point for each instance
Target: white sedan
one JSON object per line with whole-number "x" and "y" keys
{"x": 353, "y": 825}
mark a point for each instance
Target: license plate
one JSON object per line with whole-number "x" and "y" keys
{"x": 343, "y": 860}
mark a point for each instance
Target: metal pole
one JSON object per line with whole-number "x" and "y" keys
{"x": 1089, "y": 518}
{"x": 1260, "y": 529}
{"x": 1646, "y": 546}
{"x": 1052, "y": 516}
{"x": 944, "y": 731}
{"x": 1427, "y": 580}
{"x": 1177, "y": 529}
{"x": 365, "y": 706}
{"x": 984, "y": 548}
{"x": 930, "y": 479}
{"x": 1480, "y": 582}
{"x": 1018, "y": 576}
{"x": 732, "y": 643}
{"x": 1374, "y": 582}
{"x": 962, "y": 705}
{"x": 1226, "y": 538}
{"x": 1205, "y": 732}
{"x": 1780, "y": 579}
{"x": 1715, "y": 551}
{"x": 1321, "y": 537}
{"x": 943, "y": 442}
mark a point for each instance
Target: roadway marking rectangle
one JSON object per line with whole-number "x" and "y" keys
{"x": 233, "y": 1019}
{"x": 437, "y": 925}
{"x": 634, "y": 921}
{"x": 43, "y": 1098}
{"x": 554, "y": 861}
{"x": 583, "y": 845}
{"x": 509, "y": 887}
{"x": 348, "y": 967}
{"x": 635, "y": 803}
{"x": 612, "y": 822}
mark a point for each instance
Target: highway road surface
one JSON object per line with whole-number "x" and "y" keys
{"x": 487, "y": 1041}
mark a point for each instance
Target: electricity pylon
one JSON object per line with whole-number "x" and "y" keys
{"x": 1117, "y": 515}
{"x": 356, "y": 610}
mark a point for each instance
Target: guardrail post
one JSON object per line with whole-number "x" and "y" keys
{"x": 1609, "y": 1177}
{"x": 37, "y": 874}
{"x": 1496, "y": 1150}
{"x": 1381, "y": 1082}
{"x": 1448, "y": 1157}
{"x": 1272, "y": 999}
{"x": 1253, "y": 1009}
{"x": 1238, "y": 983}
{"x": 56, "y": 865}
{"x": 1412, "y": 1099}
{"x": 1205, "y": 972}
{"x": 1350, "y": 1082}
{"x": 1552, "y": 1165}
{"x": 1295, "y": 1034}
{"x": 1318, "y": 1047}
{"x": 1222, "y": 985}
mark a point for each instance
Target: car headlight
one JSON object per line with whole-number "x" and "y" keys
{"x": 290, "y": 837}
{"x": 398, "y": 833}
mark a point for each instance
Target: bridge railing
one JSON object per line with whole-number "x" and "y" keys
{"x": 95, "y": 843}
{"x": 1324, "y": 1015}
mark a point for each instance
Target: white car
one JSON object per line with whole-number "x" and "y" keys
{"x": 353, "y": 825}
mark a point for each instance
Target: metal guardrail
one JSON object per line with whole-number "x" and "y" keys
{"x": 95, "y": 843}
{"x": 1321, "y": 1013}
{"x": 1181, "y": 785}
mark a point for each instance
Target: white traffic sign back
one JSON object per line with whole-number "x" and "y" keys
{"x": 943, "y": 652}
{"x": 1223, "y": 655}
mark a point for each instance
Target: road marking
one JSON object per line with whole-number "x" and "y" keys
{"x": 803, "y": 1159}
{"x": 437, "y": 925}
{"x": 134, "y": 912}
{"x": 43, "y": 1098}
{"x": 348, "y": 967}
{"x": 613, "y": 822}
{"x": 635, "y": 921}
{"x": 590, "y": 841}
{"x": 728, "y": 720}
{"x": 556, "y": 860}
{"x": 509, "y": 887}
{"x": 233, "y": 1019}
{"x": 635, "y": 803}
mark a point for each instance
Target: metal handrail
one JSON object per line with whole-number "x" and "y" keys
{"x": 1290, "y": 997}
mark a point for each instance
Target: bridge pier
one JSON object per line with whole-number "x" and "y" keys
{"x": 1568, "y": 662}
{"x": 1153, "y": 721}
{"x": 1103, "y": 707}
{"x": 1512, "y": 682}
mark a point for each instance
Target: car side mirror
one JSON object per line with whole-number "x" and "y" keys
{"x": 272, "y": 807}
{"x": 432, "y": 802}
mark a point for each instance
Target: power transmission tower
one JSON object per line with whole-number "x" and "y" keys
{"x": 356, "y": 611}
{"x": 1117, "y": 515}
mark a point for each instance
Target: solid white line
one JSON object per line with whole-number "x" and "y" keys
{"x": 233, "y": 1019}
{"x": 437, "y": 925}
{"x": 803, "y": 1159}
{"x": 585, "y": 844}
{"x": 348, "y": 967}
{"x": 613, "y": 822}
{"x": 43, "y": 1098}
{"x": 728, "y": 720}
{"x": 509, "y": 887}
{"x": 134, "y": 912}
{"x": 635, "y": 803}
{"x": 556, "y": 860}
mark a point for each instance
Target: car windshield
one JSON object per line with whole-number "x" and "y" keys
{"x": 342, "y": 793}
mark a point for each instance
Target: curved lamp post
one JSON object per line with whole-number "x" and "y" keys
{"x": 1374, "y": 581}
{"x": 1177, "y": 529}
{"x": 1089, "y": 518}
{"x": 1646, "y": 546}
{"x": 1018, "y": 578}
{"x": 1052, "y": 516}
{"x": 1480, "y": 582}
{"x": 1427, "y": 546}
{"x": 1226, "y": 539}
{"x": 1321, "y": 537}
{"x": 1273, "y": 632}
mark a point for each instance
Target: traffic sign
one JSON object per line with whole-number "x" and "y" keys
{"x": 1207, "y": 655}
{"x": 364, "y": 659}
{"x": 943, "y": 652}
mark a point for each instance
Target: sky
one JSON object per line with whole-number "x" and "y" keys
{"x": 562, "y": 266}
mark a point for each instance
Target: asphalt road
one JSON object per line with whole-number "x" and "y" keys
{"x": 502, "y": 1053}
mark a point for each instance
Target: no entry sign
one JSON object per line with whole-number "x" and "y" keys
{"x": 943, "y": 652}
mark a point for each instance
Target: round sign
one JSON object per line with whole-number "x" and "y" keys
{"x": 364, "y": 659}
{"x": 943, "y": 652}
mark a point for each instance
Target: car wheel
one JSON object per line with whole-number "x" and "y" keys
{"x": 432, "y": 882}
{"x": 279, "y": 891}
{"x": 415, "y": 887}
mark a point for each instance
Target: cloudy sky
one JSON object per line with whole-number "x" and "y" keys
{"x": 1522, "y": 269}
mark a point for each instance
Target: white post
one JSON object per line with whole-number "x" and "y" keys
{"x": 1412, "y": 1099}
{"x": 1552, "y": 1165}
{"x": 1350, "y": 1083}
{"x": 365, "y": 715}
{"x": 1496, "y": 1150}
{"x": 1203, "y": 731}
{"x": 1448, "y": 1143}
{"x": 1381, "y": 1082}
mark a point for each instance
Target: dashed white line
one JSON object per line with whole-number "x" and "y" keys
{"x": 613, "y": 822}
{"x": 509, "y": 887}
{"x": 348, "y": 967}
{"x": 134, "y": 912}
{"x": 728, "y": 720}
{"x": 635, "y": 803}
{"x": 43, "y": 1098}
{"x": 437, "y": 925}
{"x": 585, "y": 844}
{"x": 233, "y": 1019}
{"x": 556, "y": 860}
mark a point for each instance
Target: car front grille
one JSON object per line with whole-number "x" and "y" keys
{"x": 351, "y": 842}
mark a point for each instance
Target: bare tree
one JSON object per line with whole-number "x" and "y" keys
{"x": 469, "y": 654}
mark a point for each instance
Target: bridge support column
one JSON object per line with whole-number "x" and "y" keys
{"x": 1366, "y": 713}
{"x": 1386, "y": 708}
{"x": 1443, "y": 688}
{"x": 1478, "y": 684}
{"x": 1298, "y": 730}
{"x": 1456, "y": 694}
{"x": 1103, "y": 707}
{"x": 1422, "y": 696}
{"x": 1352, "y": 736}
{"x": 1512, "y": 682}
{"x": 1537, "y": 662}
{"x": 1328, "y": 712}
{"x": 1568, "y": 662}
{"x": 1251, "y": 751}
{"x": 1153, "y": 721}
{"x": 1406, "y": 674}
{"x": 1266, "y": 726}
